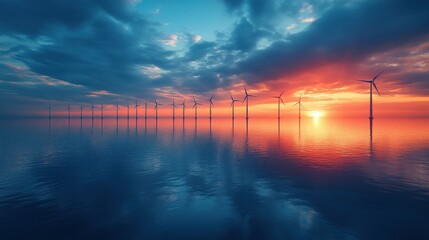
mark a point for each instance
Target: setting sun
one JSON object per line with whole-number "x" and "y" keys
{"x": 316, "y": 114}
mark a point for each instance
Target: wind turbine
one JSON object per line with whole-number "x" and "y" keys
{"x": 232, "y": 105}
{"x": 279, "y": 98}
{"x": 49, "y": 109}
{"x": 195, "y": 106}
{"x": 92, "y": 111}
{"x": 117, "y": 110}
{"x": 156, "y": 108}
{"x": 102, "y": 111}
{"x": 128, "y": 110}
{"x": 246, "y": 98}
{"x": 211, "y": 105}
{"x": 81, "y": 111}
{"x": 183, "y": 108}
{"x": 300, "y": 105}
{"x": 136, "y": 107}
{"x": 68, "y": 109}
{"x": 145, "y": 109}
{"x": 174, "y": 107}
{"x": 371, "y": 83}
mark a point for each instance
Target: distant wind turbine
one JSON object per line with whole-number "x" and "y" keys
{"x": 211, "y": 105}
{"x": 81, "y": 111}
{"x": 92, "y": 111}
{"x": 102, "y": 111}
{"x": 195, "y": 106}
{"x": 128, "y": 110}
{"x": 246, "y": 98}
{"x": 145, "y": 109}
{"x": 136, "y": 108}
{"x": 299, "y": 105}
{"x": 68, "y": 109}
{"x": 279, "y": 98}
{"x": 183, "y": 108}
{"x": 156, "y": 108}
{"x": 371, "y": 83}
{"x": 174, "y": 109}
{"x": 117, "y": 110}
{"x": 232, "y": 105}
{"x": 49, "y": 109}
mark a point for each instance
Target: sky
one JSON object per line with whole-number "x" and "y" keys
{"x": 112, "y": 52}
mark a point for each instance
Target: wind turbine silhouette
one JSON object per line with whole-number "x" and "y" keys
{"x": 183, "y": 108}
{"x": 279, "y": 98}
{"x": 371, "y": 83}
{"x": 211, "y": 105}
{"x": 92, "y": 111}
{"x": 117, "y": 110}
{"x": 68, "y": 109}
{"x": 156, "y": 108}
{"x": 102, "y": 111}
{"x": 174, "y": 108}
{"x": 128, "y": 110}
{"x": 246, "y": 98}
{"x": 136, "y": 108}
{"x": 232, "y": 105}
{"x": 81, "y": 111}
{"x": 49, "y": 109}
{"x": 195, "y": 106}
{"x": 300, "y": 105}
{"x": 145, "y": 109}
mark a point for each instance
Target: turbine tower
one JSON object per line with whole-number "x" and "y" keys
{"x": 279, "y": 98}
{"x": 117, "y": 111}
{"x": 156, "y": 108}
{"x": 145, "y": 109}
{"x": 299, "y": 105}
{"x": 195, "y": 106}
{"x": 49, "y": 109}
{"x": 102, "y": 111}
{"x": 211, "y": 105}
{"x": 183, "y": 108}
{"x": 136, "y": 108}
{"x": 174, "y": 108}
{"x": 68, "y": 109}
{"x": 232, "y": 105}
{"x": 246, "y": 98}
{"x": 81, "y": 111}
{"x": 371, "y": 83}
{"x": 128, "y": 110}
{"x": 92, "y": 111}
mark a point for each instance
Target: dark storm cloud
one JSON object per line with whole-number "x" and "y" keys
{"x": 200, "y": 50}
{"x": 245, "y": 36}
{"x": 101, "y": 44}
{"x": 343, "y": 33}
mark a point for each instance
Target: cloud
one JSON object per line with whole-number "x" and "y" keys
{"x": 307, "y": 20}
{"x": 343, "y": 33}
{"x": 292, "y": 26}
{"x": 171, "y": 41}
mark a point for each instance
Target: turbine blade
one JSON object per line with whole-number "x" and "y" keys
{"x": 367, "y": 81}
{"x": 282, "y": 101}
{"x": 375, "y": 86}
{"x": 282, "y": 93}
{"x": 377, "y": 76}
{"x": 295, "y": 104}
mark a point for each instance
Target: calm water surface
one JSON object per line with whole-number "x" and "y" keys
{"x": 320, "y": 179}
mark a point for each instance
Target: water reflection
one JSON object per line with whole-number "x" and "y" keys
{"x": 259, "y": 179}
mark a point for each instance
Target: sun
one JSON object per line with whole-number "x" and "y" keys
{"x": 316, "y": 114}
